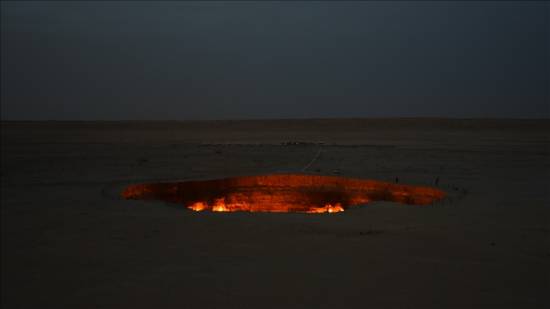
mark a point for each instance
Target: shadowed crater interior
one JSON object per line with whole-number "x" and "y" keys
{"x": 281, "y": 193}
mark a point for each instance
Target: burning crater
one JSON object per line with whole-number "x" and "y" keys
{"x": 281, "y": 193}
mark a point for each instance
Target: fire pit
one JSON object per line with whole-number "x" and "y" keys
{"x": 281, "y": 193}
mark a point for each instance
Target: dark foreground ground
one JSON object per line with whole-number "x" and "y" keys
{"x": 68, "y": 240}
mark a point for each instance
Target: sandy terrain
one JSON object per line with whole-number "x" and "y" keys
{"x": 68, "y": 240}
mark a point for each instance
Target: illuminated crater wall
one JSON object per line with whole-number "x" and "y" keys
{"x": 281, "y": 193}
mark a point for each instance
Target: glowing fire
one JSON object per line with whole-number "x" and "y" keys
{"x": 198, "y": 206}
{"x": 327, "y": 208}
{"x": 282, "y": 193}
{"x": 220, "y": 206}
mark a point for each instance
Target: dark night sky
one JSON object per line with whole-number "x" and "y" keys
{"x": 255, "y": 59}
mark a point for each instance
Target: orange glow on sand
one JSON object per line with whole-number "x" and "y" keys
{"x": 281, "y": 193}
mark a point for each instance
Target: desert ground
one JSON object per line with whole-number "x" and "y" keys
{"x": 69, "y": 240}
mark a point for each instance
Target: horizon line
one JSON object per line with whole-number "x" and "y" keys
{"x": 276, "y": 119}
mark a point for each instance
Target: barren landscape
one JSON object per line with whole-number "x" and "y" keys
{"x": 70, "y": 240}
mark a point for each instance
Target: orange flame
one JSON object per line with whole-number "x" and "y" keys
{"x": 198, "y": 206}
{"x": 328, "y": 208}
{"x": 220, "y": 206}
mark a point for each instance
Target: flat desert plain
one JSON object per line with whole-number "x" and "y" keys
{"x": 69, "y": 240}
